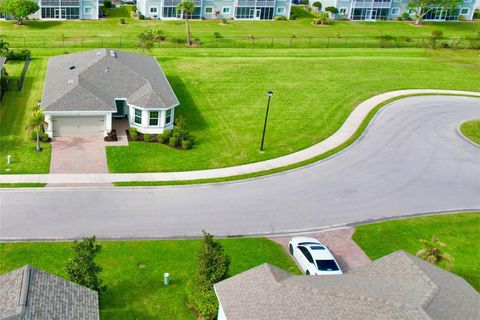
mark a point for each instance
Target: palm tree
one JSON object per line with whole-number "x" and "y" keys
{"x": 432, "y": 252}
{"x": 36, "y": 123}
{"x": 186, "y": 7}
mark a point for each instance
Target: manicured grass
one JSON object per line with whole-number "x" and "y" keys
{"x": 223, "y": 98}
{"x": 22, "y": 185}
{"x": 471, "y": 130}
{"x": 204, "y": 29}
{"x": 139, "y": 293}
{"x": 459, "y": 231}
{"x": 14, "y": 68}
{"x": 15, "y": 111}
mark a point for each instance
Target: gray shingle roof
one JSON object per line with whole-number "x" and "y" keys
{"x": 29, "y": 293}
{"x": 398, "y": 286}
{"x": 91, "y": 80}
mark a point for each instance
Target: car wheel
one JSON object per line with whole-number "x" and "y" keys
{"x": 290, "y": 249}
{"x": 307, "y": 273}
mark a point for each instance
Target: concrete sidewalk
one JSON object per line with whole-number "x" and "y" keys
{"x": 348, "y": 128}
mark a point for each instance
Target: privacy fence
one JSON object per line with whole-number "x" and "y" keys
{"x": 247, "y": 42}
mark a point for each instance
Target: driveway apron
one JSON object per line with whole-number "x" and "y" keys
{"x": 78, "y": 155}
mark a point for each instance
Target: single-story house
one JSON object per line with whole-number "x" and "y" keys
{"x": 84, "y": 91}
{"x": 30, "y": 293}
{"x": 397, "y": 286}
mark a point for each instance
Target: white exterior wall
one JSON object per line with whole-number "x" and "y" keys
{"x": 221, "y": 313}
{"x": 144, "y": 127}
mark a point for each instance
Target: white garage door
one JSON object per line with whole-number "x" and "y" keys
{"x": 78, "y": 126}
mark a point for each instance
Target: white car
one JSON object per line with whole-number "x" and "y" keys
{"x": 313, "y": 257}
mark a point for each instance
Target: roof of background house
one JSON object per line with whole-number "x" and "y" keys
{"x": 92, "y": 80}
{"x": 29, "y": 293}
{"x": 397, "y": 286}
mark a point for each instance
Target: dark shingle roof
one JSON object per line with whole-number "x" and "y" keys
{"x": 398, "y": 286}
{"x": 92, "y": 80}
{"x": 29, "y": 293}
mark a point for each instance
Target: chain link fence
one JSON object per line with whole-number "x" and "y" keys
{"x": 247, "y": 42}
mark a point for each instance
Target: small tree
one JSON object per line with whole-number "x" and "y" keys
{"x": 332, "y": 10}
{"x": 145, "y": 41}
{"x": 322, "y": 18}
{"x": 423, "y": 7}
{"x": 186, "y": 7}
{"x": 212, "y": 267}
{"x": 21, "y": 9}
{"x": 36, "y": 123}
{"x": 317, "y": 5}
{"x": 432, "y": 252}
{"x": 81, "y": 268}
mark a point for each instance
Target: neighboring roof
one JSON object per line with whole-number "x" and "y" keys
{"x": 92, "y": 80}
{"x": 397, "y": 286}
{"x": 29, "y": 293}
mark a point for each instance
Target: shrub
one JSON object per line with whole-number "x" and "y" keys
{"x": 81, "y": 268}
{"x": 280, "y": 18}
{"x": 107, "y": 3}
{"x": 17, "y": 54}
{"x": 405, "y": 16}
{"x": 332, "y": 10}
{"x": 437, "y": 34}
{"x": 43, "y": 136}
{"x": 212, "y": 267}
{"x": 187, "y": 144}
{"x": 133, "y": 133}
{"x": 147, "y": 137}
{"x": 476, "y": 15}
{"x": 133, "y": 8}
{"x": 217, "y": 35}
{"x": 461, "y": 17}
{"x": 224, "y": 21}
{"x": 317, "y": 5}
{"x": 293, "y": 16}
{"x": 122, "y": 21}
{"x": 162, "y": 138}
{"x": 173, "y": 141}
{"x": 167, "y": 133}
{"x": 322, "y": 19}
{"x": 141, "y": 17}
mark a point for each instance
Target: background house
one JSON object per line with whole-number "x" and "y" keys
{"x": 217, "y": 9}
{"x": 397, "y": 286}
{"x": 29, "y": 293}
{"x": 366, "y": 10}
{"x": 84, "y": 91}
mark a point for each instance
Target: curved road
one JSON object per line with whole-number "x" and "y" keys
{"x": 410, "y": 160}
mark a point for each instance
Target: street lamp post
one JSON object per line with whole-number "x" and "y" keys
{"x": 270, "y": 94}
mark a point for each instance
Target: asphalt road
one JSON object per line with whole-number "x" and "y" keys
{"x": 410, "y": 160}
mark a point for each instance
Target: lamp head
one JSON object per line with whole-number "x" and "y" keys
{"x": 270, "y": 93}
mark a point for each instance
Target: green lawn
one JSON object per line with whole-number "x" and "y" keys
{"x": 15, "y": 111}
{"x": 14, "y": 68}
{"x": 138, "y": 293}
{"x": 205, "y": 29}
{"x": 471, "y": 130}
{"x": 22, "y": 185}
{"x": 459, "y": 231}
{"x": 223, "y": 98}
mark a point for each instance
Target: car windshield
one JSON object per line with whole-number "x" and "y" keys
{"x": 306, "y": 243}
{"x": 317, "y": 248}
{"x": 327, "y": 265}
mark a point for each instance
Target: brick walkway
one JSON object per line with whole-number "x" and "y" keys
{"x": 347, "y": 253}
{"x": 78, "y": 155}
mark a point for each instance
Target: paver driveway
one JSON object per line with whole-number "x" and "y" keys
{"x": 78, "y": 155}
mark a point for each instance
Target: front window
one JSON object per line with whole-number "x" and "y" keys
{"x": 226, "y": 10}
{"x": 465, "y": 11}
{"x": 153, "y": 9}
{"x": 153, "y": 118}
{"x": 168, "y": 117}
{"x": 281, "y": 10}
{"x": 88, "y": 10}
{"x": 209, "y": 10}
{"x": 138, "y": 116}
{"x": 327, "y": 265}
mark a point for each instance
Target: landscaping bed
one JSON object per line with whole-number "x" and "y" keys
{"x": 459, "y": 231}
{"x": 133, "y": 270}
